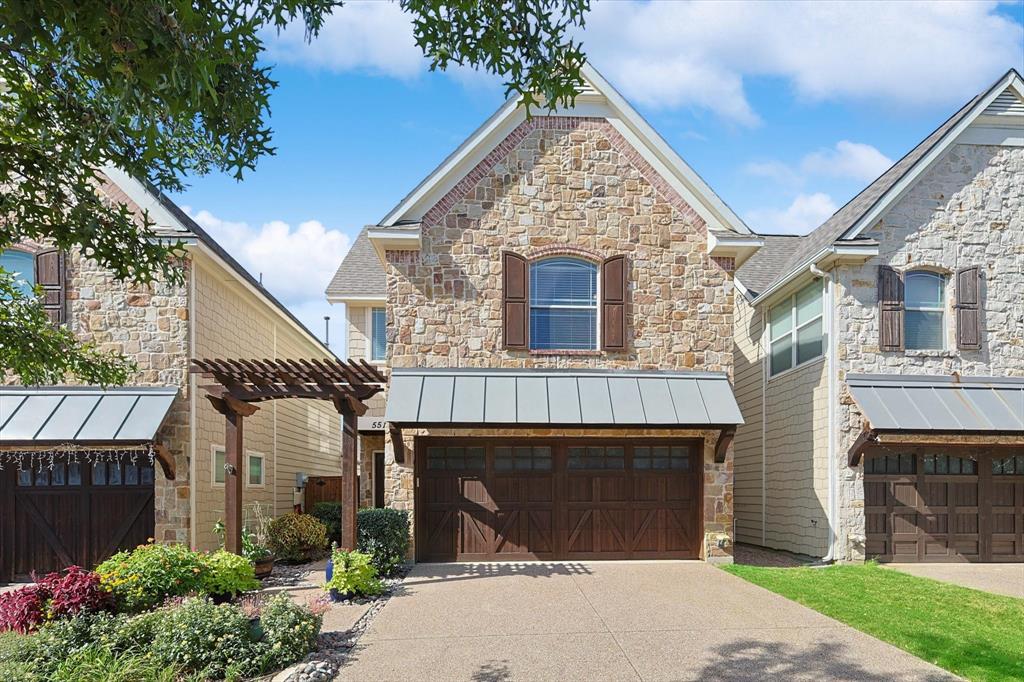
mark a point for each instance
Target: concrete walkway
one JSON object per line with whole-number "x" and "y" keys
{"x": 1005, "y": 579}
{"x": 610, "y": 621}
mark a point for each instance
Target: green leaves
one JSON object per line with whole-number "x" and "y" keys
{"x": 167, "y": 89}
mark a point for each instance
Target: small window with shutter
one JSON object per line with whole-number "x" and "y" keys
{"x": 21, "y": 266}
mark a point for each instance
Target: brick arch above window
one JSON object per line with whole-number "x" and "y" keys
{"x": 571, "y": 251}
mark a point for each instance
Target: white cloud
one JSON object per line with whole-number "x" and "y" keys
{"x": 776, "y": 171}
{"x": 807, "y": 212}
{"x": 699, "y": 54}
{"x": 375, "y": 37}
{"x": 696, "y": 53}
{"x": 847, "y": 160}
{"x": 295, "y": 263}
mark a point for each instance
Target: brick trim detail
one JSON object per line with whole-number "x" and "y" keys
{"x": 564, "y": 250}
{"x": 726, "y": 263}
{"x": 462, "y": 188}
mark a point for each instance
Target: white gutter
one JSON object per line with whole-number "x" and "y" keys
{"x": 831, "y": 511}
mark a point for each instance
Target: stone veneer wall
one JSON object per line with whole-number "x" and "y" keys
{"x": 968, "y": 209}
{"x": 150, "y": 325}
{"x": 556, "y": 184}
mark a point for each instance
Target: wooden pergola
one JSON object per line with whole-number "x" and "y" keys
{"x": 240, "y": 384}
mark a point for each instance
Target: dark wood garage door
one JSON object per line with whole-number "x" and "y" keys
{"x": 944, "y": 505}
{"x": 73, "y": 514}
{"x": 512, "y": 499}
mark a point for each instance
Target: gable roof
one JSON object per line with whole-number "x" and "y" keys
{"x": 598, "y": 98}
{"x": 172, "y": 222}
{"x": 763, "y": 267}
{"x": 863, "y": 210}
{"x": 360, "y": 273}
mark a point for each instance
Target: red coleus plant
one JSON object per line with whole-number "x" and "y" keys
{"x": 55, "y": 595}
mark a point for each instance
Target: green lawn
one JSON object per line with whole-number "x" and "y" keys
{"x": 974, "y": 634}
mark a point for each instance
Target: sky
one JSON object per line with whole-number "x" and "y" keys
{"x": 787, "y": 110}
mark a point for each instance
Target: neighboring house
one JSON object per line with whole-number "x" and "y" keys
{"x": 554, "y": 305}
{"x": 78, "y": 513}
{"x": 880, "y": 359}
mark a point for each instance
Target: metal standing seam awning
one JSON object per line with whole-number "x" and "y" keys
{"x": 936, "y": 405}
{"x": 562, "y": 398}
{"x": 49, "y": 416}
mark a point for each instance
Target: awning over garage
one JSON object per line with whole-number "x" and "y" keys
{"x": 939, "y": 404}
{"x": 560, "y": 398}
{"x": 70, "y": 414}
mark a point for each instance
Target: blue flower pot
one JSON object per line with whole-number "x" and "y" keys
{"x": 334, "y": 594}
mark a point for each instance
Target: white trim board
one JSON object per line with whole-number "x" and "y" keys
{"x": 600, "y": 99}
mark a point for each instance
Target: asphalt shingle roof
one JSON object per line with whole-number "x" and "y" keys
{"x": 360, "y": 272}
{"x": 764, "y": 266}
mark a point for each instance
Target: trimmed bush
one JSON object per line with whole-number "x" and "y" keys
{"x": 228, "y": 574}
{"x": 384, "y": 535}
{"x": 206, "y": 640}
{"x": 329, "y": 514}
{"x": 289, "y": 631}
{"x": 297, "y": 538}
{"x": 147, "y": 575}
{"x": 353, "y": 575}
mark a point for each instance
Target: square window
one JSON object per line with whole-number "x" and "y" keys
{"x": 219, "y": 475}
{"x": 255, "y": 469}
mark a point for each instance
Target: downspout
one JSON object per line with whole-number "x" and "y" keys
{"x": 831, "y": 512}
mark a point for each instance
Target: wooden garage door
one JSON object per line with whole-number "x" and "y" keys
{"x": 514, "y": 499}
{"x": 944, "y": 505}
{"x": 73, "y": 513}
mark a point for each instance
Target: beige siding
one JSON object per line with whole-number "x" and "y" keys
{"x": 748, "y": 468}
{"x": 796, "y": 460}
{"x": 292, "y": 435}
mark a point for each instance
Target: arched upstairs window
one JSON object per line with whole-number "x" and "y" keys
{"x": 22, "y": 266}
{"x": 563, "y": 304}
{"x": 925, "y": 310}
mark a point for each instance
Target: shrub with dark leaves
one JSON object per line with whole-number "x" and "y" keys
{"x": 22, "y": 610}
{"x": 74, "y": 592}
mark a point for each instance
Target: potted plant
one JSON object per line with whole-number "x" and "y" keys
{"x": 351, "y": 574}
{"x": 254, "y": 546}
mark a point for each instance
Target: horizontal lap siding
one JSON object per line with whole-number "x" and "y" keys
{"x": 796, "y": 452}
{"x": 747, "y": 497}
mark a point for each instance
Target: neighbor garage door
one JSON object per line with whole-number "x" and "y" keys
{"x": 516, "y": 499}
{"x": 72, "y": 513}
{"x": 944, "y": 505}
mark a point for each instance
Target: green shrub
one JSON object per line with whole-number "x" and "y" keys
{"x": 17, "y": 655}
{"x": 147, "y": 575}
{"x": 289, "y": 631}
{"x": 228, "y": 574}
{"x": 96, "y": 663}
{"x": 125, "y": 634}
{"x": 296, "y": 538}
{"x": 210, "y": 641}
{"x": 60, "y": 639}
{"x": 329, "y": 514}
{"x": 354, "y": 575}
{"x": 384, "y": 535}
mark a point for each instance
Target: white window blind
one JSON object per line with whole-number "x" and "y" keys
{"x": 563, "y": 305}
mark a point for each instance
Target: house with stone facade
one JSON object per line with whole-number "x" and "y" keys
{"x": 87, "y": 471}
{"x": 554, "y": 308}
{"x": 879, "y": 360}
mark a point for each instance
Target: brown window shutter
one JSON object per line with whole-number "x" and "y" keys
{"x": 50, "y": 277}
{"x": 968, "y": 308}
{"x": 613, "y": 304}
{"x": 516, "y": 304}
{"x": 890, "y": 309}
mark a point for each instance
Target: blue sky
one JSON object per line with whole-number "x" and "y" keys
{"x": 786, "y": 110}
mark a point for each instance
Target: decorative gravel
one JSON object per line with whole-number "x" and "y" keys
{"x": 292, "y": 576}
{"x": 333, "y": 648}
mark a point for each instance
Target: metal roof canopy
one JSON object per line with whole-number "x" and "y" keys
{"x": 72, "y": 414}
{"x": 946, "y": 404}
{"x": 607, "y": 398}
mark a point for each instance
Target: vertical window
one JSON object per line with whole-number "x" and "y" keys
{"x": 378, "y": 334}
{"x": 218, "y": 465}
{"x": 925, "y": 305}
{"x": 797, "y": 329}
{"x": 255, "y": 469}
{"x": 563, "y": 305}
{"x": 22, "y": 266}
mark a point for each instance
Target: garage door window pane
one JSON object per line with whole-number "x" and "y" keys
{"x": 75, "y": 473}
{"x": 147, "y": 475}
{"x": 455, "y": 458}
{"x": 597, "y": 457}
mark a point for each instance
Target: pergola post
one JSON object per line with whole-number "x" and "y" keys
{"x": 349, "y": 479}
{"x": 234, "y": 448}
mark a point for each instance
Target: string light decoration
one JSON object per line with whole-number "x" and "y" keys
{"x": 75, "y": 454}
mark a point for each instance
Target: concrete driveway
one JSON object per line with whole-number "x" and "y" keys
{"x": 1005, "y": 579}
{"x": 610, "y": 621}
